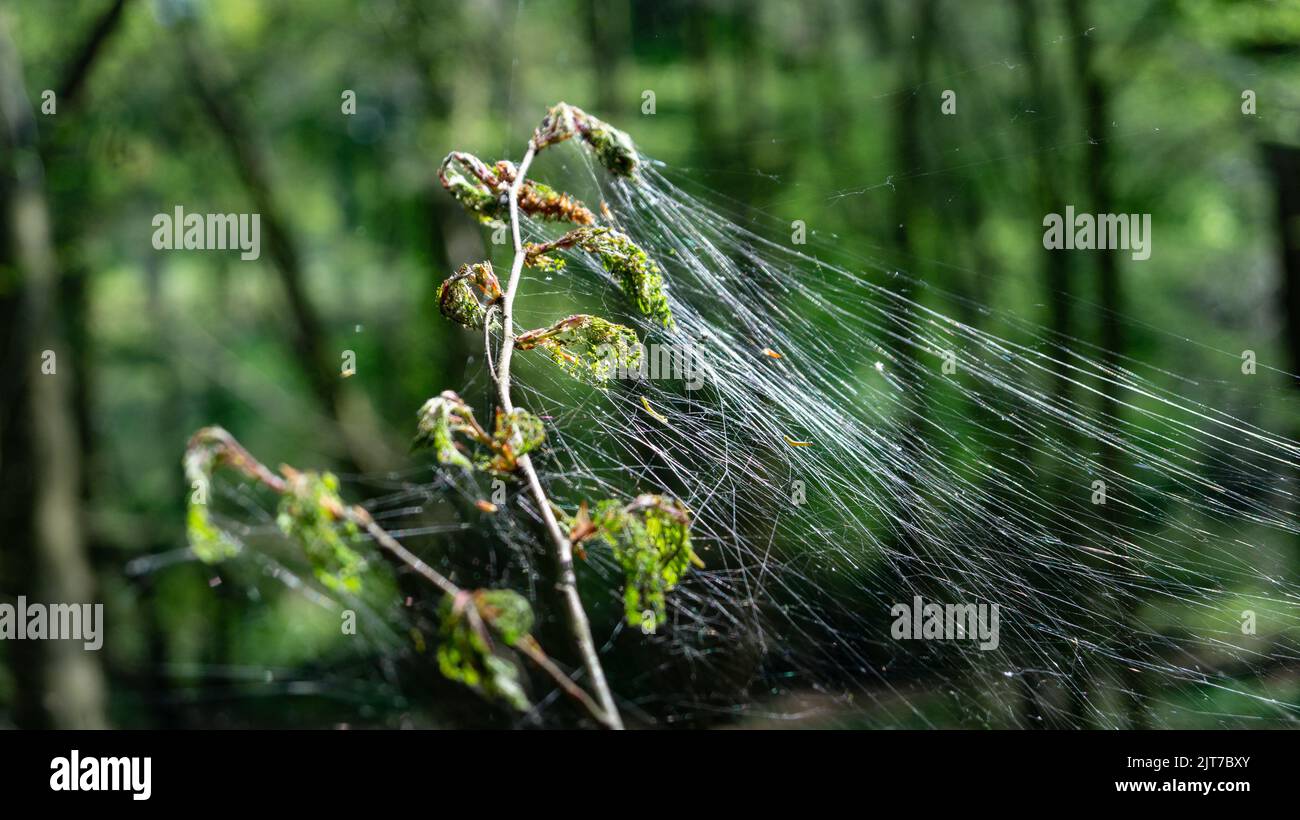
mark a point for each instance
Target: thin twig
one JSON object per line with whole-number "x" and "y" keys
{"x": 567, "y": 582}
{"x": 487, "y": 341}
{"x": 237, "y": 456}
{"x": 528, "y": 645}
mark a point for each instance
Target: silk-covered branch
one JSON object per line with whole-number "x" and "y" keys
{"x": 651, "y": 535}
{"x": 636, "y": 273}
{"x": 484, "y": 191}
{"x": 478, "y": 628}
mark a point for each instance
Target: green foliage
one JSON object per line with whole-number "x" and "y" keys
{"x": 466, "y": 651}
{"x": 484, "y": 192}
{"x": 629, "y": 265}
{"x": 447, "y": 415}
{"x": 312, "y": 514}
{"x": 651, "y": 538}
{"x": 437, "y": 421}
{"x": 516, "y": 433}
{"x": 508, "y": 613}
{"x": 547, "y": 203}
{"x": 136, "y": 150}
{"x": 458, "y": 300}
{"x": 589, "y": 348}
{"x": 473, "y": 185}
{"x": 210, "y": 544}
{"x": 612, "y": 148}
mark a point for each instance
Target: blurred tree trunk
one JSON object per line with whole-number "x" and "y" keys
{"x": 74, "y": 290}
{"x": 1056, "y": 282}
{"x": 65, "y": 142}
{"x": 1284, "y": 166}
{"x": 363, "y": 445}
{"x": 706, "y": 126}
{"x": 608, "y": 38}
{"x": 909, "y": 156}
{"x": 46, "y": 469}
{"x": 914, "y": 38}
{"x": 1097, "y": 170}
{"x": 908, "y": 141}
{"x": 1047, "y": 170}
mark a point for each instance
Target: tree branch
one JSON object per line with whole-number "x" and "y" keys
{"x": 235, "y": 455}
{"x": 567, "y": 583}
{"x": 78, "y": 71}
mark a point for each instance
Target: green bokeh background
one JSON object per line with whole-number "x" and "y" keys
{"x": 825, "y": 112}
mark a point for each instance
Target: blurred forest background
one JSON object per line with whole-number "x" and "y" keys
{"x": 828, "y": 112}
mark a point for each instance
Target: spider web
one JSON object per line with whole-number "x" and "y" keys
{"x": 973, "y": 486}
{"x": 849, "y": 475}
{"x": 852, "y": 474}
{"x": 835, "y": 469}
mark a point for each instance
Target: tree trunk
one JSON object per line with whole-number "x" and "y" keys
{"x": 1097, "y": 170}
{"x": 71, "y": 677}
{"x": 1284, "y": 164}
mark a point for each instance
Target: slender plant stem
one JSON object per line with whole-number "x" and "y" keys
{"x": 567, "y": 583}
{"x": 528, "y": 646}
{"x": 239, "y": 458}
{"x": 361, "y": 517}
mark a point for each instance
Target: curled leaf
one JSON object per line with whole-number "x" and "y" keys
{"x": 311, "y": 513}
{"x": 516, "y": 433}
{"x": 612, "y": 148}
{"x": 210, "y": 544}
{"x": 473, "y": 184}
{"x": 458, "y": 298}
{"x": 651, "y": 538}
{"x": 545, "y": 202}
{"x": 484, "y": 190}
{"x": 624, "y": 260}
{"x": 447, "y": 415}
{"x": 466, "y": 650}
{"x": 589, "y": 348}
{"x": 438, "y": 419}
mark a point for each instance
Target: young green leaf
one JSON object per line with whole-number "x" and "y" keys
{"x": 483, "y": 191}
{"x": 210, "y": 543}
{"x": 516, "y": 433}
{"x": 445, "y": 416}
{"x": 458, "y": 298}
{"x": 310, "y": 514}
{"x": 629, "y": 265}
{"x": 466, "y": 651}
{"x": 507, "y": 612}
{"x": 589, "y": 348}
{"x": 651, "y": 538}
{"x": 613, "y": 148}
{"x": 437, "y": 421}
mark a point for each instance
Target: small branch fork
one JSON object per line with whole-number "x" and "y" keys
{"x": 579, "y": 626}
{"x": 606, "y": 712}
{"x": 230, "y": 452}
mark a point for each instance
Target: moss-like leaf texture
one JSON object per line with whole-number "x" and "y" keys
{"x": 467, "y": 652}
{"x": 589, "y": 348}
{"x": 310, "y": 514}
{"x": 624, "y": 260}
